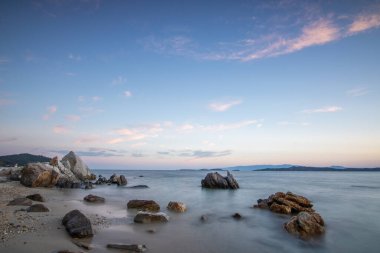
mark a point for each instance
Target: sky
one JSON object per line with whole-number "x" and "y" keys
{"x": 145, "y": 84}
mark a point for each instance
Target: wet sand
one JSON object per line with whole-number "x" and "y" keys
{"x": 41, "y": 232}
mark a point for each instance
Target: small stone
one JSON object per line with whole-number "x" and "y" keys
{"x": 94, "y": 199}
{"x": 178, "y": 207}
{"x": 147, "y": 217}
{"x": 144, "y": 205}
{"x": 20, "y": 202}
{"x": 37, "y": 208}
{"x": 128, "y": 247}
{"x": 237, "y": 216}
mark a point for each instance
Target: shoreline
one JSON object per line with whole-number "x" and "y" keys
{"x": 41, "y": 232}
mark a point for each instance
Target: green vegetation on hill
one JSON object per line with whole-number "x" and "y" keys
{"x": 21, "y": 159}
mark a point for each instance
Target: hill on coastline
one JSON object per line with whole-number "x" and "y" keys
{"x": 21, "y": 159}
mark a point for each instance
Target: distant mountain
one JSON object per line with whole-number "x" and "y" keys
{"x": 21, "y": 159}
{"x": 255, "y": 167}
{"x": 306, "y": 168}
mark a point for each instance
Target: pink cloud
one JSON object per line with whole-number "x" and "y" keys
{"x": 127, "y": 93}
{"x": 51, "y": 110}
{"x": 363, "y": 23}
{"x": 60, "y": 129}
{"x": 73, "y": 117}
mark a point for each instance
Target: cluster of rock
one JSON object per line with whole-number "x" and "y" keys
{"x": 114, "y": 179}
{"x": 70, "y": 172}
{"x": 306, "y": 223}
{"x": 28, "y": 201}
{"x": 217, "y": 181}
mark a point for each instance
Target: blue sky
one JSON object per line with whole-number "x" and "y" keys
{"x": 175, "y": 84}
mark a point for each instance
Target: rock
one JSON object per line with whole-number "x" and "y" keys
{"x": 215, "y": 180}
{"x": 140, "y": 186}
{"x": 77, "y": 224}
{"x": 92, "y": 177}
{"x": 15, "y": 174}
{"x": 151, "y": 231}
{"x": 64, "y": 182}
{"x": 113, "y": 179}
{"x": 121, "y": 180}
{"x": 5, "y": 172}
{"x": 237, "y": 216}
{"x": 83, "y": 245}
{"x": 128, "y": 247}
{"x": 20, "y": 202}
{"x": 147, "y": 217}
{"x": 144, "y": 205}
{"x": 54, "y": 161}
{"x": 38, "y": 175}
{"x": 76, "y": 165}
{"x": 65, "y": 251}
{"x": 178, "y": 207}
{"x": 94, "y": 199}
{"x": 305, "y": 225}
{"x": 285, "y": 203}
{"x": 36, "y": 197}
{"x": 204, "y": 218}
{"x": 37, "y": 208}
{"x": 101, "y": 180}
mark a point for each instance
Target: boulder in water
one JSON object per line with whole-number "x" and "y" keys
{"x": 148, "y": 217}
{"x": 121, "y": 180}
{"x": 144, "y": 205}
{"x": 216, "y": 181}
{"x": 77, "y": 224}
{"x": 37, "y": 208}
{"x": 128, "y": 247}
{"x": 305, "y": 225}
{"x": 94, "y": 199}
{"x": 285, "y": 203}
{"x": 178, "y": 207}
{"x": 20, "y": 202}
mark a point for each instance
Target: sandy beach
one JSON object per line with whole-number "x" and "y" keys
{"x": 23, "y": 231}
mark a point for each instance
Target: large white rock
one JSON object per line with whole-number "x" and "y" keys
{"x": 75, "y": 164}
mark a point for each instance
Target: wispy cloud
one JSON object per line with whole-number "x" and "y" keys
{"x": 221, "y": 107}
{"x": 97, "y": 152}
{"x": 357, "y": 92}
{"x": 195, "y": 153}
{"x": 136, "y": 133}
{"x": 174, "y": 45}
{"x": 74, "y": 57}
{"x": 88, "y": 139}
{"x": 118, "y": 81}
{"x": 364, "y": 22}
{"x": 51, "y": 110}
{"x": 8, "y": 139}
{"x": 96, "y": 98}
{"x": 60, "y": 129}
{"x": 229, "y": 126}
{"x": 4, "y": 60}
{"x": 324, "y": 109}
{"x": 73, "y": 117}
{"x": 127, "y": 93}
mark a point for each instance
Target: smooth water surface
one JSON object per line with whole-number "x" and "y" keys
{"x": 349, "y": 202}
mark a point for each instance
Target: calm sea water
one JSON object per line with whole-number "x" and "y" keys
{"x": 349, "y": 202}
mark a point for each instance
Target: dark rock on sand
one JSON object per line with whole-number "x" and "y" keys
{"x": 20, "y": 202}
{"x": 38, "y": 175}
{"x": 94, "y": 199}
{"x": 178, "y": 207}
{"x": 77, "y": 224}
{"x": 215, "y": 180}
{"x": 121, "y": 180}
{"x": 37, "y": 208}
{"x": 128, "y": 247}
{"x": 285, "y": 203}
{"x": 305, "y": 225}
{"x": 147, "y": 217}
{"x": 144, "y": 205}
{"x": 83, "y": 245}
{"x": 36, "y": 197}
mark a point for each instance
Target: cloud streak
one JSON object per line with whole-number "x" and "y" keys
{"x": 357, "y": 92}
{"x": 326, "y": 109}
{"x": 221, "y": 107}
{"x": 51, "y": 110}
{"x": 195, "y": 153}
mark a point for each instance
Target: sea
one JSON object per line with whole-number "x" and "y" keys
{"x": 349, "y": 203}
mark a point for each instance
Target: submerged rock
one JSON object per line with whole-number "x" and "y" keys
{"x": 128, "y": 247}
{"x": 37, "y": 208}
{"x": 36, "y": 197}
{"x": 305, "y": 225}
{"x": 148, "y": 217}
{"x": 140, "y": 186}
{"x": 285, "y": 203}
{"x": 178, "y": 207}
{"x": 20, "y": 202}
{"x": 38, "y": 175}
{"x": 144, "y": 205}
{"x": 77, "y": 224}
{"x": 94, "y": 199}
{"x": 237, "y": 216}
{"x": 215, "y": 180}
